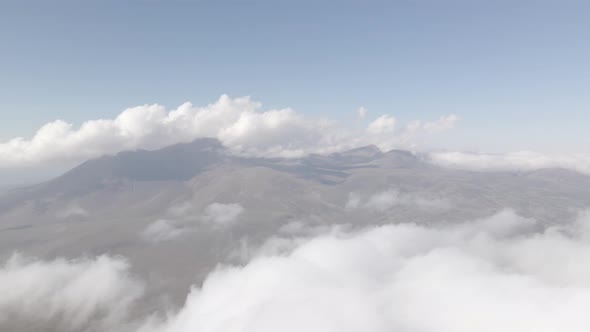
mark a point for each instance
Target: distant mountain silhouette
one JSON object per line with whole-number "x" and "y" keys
{"x": 179, "y": 162}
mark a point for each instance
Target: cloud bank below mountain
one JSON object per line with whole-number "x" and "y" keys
{"x": 523, "y": 160}
{"x": 501, "y": 273}
{"x": 185, "y": 217}
{"x": 69, "y": 295}
{"x": 493, "y": 274}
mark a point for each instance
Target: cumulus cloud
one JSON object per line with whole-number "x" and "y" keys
{"x": 354, "y": 200}
{"x": 72, "y": 295}
{"x": 443, "y": 123}
{"x": 493, "y": 274}
{"x": 385, "y": 200}
{"x": 184, "y": 210}
{"x": 500, "y": 273}
{"x": 187, "y": 216}
{"x": 163, "y": 230}
{"x": 383, "y": 124}
{"x": 222, "y": 215}
{"x": 238, "y": 123}
{"x": 73, "y": 211}
{"x": 242, "y": 126}
{"x": 524, "y": 160}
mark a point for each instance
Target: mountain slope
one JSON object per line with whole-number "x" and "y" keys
{"x": 178, "y": 212}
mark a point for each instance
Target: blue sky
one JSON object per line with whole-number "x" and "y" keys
{"x": 516, "y": 72}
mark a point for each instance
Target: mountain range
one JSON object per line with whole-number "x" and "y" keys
{"x": 179, "y": 211}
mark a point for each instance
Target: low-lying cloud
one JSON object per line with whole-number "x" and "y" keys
{"x": 186, "y": 217}
{"x": 493, "y": 274}
{"x": 501, "y": 273}
{"x": 388, "y": 199}
{"x": 163, "y": 230}
{"x": 68, "y": 295}
{"x": 524, "y": 161}
{"x": 238, "y": 123}
{"x": 222, "y": 215}
{"x": 73, "y": 211}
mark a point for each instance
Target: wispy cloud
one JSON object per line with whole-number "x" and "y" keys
{"x": 388, "y": 199}
{"x": 222, "y": 215}
{"x": 361, "y": 112}
{"x": 163, "y": 230}
{"x": 524, "y": 160}
{"x": 186, "y": 217}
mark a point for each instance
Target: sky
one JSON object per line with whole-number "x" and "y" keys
{"x": 514, "y": 72}
{"x": 473, "y": 84}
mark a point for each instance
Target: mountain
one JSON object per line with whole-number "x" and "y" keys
{"x": 177, "y": 212}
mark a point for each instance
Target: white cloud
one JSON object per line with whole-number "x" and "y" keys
{"x": 445, "y": 122}
{"x": 353, "y": 201}
{"x": 238, "y": 123}
{"x": 72, "y": 294}
{"x": 492, "y": 275}
{"x": 184, "y": 217}
{"x": 163, "y": 230}
{"x": 73, "y": 211}
{"x": 383, "y": 124}
{"x": 417, "y": 130}
{"x": 241, "y": 125}
{"x": 502, "y": 273}
{"x": 185, "y": 209}
{"x": 385, "y": 200}
{"x": 222, "y": 215}
{"x": 524, "y": 160}
{"x": 361, "y": 112}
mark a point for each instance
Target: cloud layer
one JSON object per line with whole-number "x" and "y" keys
{"x": 186, "y": 217}
{"x": 524, "y": 160}
{"x": 222, "y": 215}
{"x": 385, "y": 200}
{"x": 242, "y": 126}
{"x": 71, "y": 295}
{"x": 163, "y": 230}
{"x": 238, "y": 123}
{"x": 501, "y": 273}
{"x": 493, "y": 274}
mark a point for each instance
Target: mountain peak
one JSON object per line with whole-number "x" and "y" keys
{"x": 178, "y": 162}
